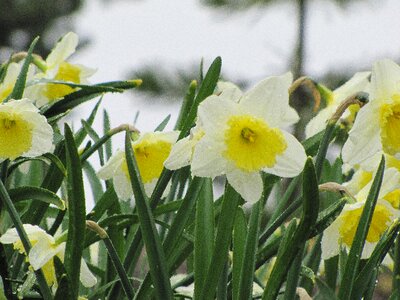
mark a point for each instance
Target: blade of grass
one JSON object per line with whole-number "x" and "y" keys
{"x": 239, "y": 243}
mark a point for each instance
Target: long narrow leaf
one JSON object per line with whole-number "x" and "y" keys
{"x": 360, "y": 236}
{"x": 155, "y": 253}
{"x": 76, "y": 213}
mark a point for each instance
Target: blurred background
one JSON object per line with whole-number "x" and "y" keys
{"x": 164, "y": 42}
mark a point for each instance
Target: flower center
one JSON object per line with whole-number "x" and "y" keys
{"x": 351, "y": 218}
{"x": 66, "y": 72}
{"x": 251, "y": 144}
{"x": 15, "y": 136}
{"x": 390, "y": 126}
{"x": 393, "y": 198}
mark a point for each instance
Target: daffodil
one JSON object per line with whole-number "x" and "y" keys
{"x": 243, "y": 137}
{"x": 23, "y": 131}
{"x": 377, "y": 126}
{"x": 150, "y": 150}
{"x": 342, "y": 231}
{"x": 57, "y": 68}
{"x": 44, "y": 248}
{"x": 358, "y": 83}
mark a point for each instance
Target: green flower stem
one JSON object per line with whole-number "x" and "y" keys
{"x": 124, "y": 127}
{"x": 46, "y": 293}
{"x": 186, "y": 105}
{"x": 126, "y": 284}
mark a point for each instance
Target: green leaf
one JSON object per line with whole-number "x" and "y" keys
{"x": 207, "y": 87}
{"x": 19, "y": 86}
{"x": 324, "y": 291}
{"x": 247, "y": 270}
{"x": 82, "y": 133}
{"x": 239, "y": 243}
{"x": 95, "y": 184}
{"x": 357, "y": 246}
{"x": 155, "y": 253}
{"x": 95, "y": 137}
{"x": 186, "y": 105}
{"x": 63, "y": 290}
{"x": 36, "y": 193}
{"x": 204, "y": 235}
{"x": 222, "y": 242}
{"x": 74, "y": 99}
{"x": 327, "y": 216}
{"x": 164, "y": 123}
{"x": 286, "y": 254}
{"x": 312, "y": 144}
{"x": 106, "y": 128}
{"x": 381, "y": 249}
{"x": 76, "y": 213}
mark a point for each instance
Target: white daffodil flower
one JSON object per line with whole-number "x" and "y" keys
{"x": 342, "y": 231}
{"x": 57, "y": 68}
{"x": 358, "y": 83}
{"x": 7, "y": 86}
{"x": 151, "y": 150}
{"x": 23, "y": 131}
{"x": 44, "y": 248}
{"x": 245, "y": 137}
{"x": 377, "y": 126}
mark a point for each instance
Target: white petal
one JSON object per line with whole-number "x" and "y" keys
{"x": 11, "y": 236}
{"x": 385, "y": 79}
{"x": 318, "y": 123}
{"x": 107, "y": 171}
{"x": 269, "y": 99}
{"x": 63, "y": 49}
{"x": 291, "y": 162}
{"x": 122, "y": 185}
{"x": 248, "y": 185}
{"x": 330, "y": 243}
{"x": 364, "y": 138}
{"x": 229, "y": 90}
{"x": 42, "y": 252}
{"x": 42, "y": 135}
{"x": 86, "y": 277}
{"x": 181, "y": 154}
{"x": 358, "y": 83}
{"x": 215, "y": 111}
{"x": 207, "y": 158}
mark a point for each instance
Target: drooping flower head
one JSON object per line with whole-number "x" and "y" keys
{"x": 358, "y": 83}
{"x": 150, "y": 150}
{"x": 243, "y": 137}
{"x": 23, "y": 131}
{"x": 342, "y": 231}
{"x": 44, "y": 248}
{"x": 377, "y": 126}
{"x": 57, "y": 68}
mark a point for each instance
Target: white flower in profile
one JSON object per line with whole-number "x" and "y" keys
{"x": 44, "y": 248}
{"x": 242, "y": 138}
{"x": 57, "y": 68}
{"x": 342, "y": 231}
{"x": 358, "y": 83}
{"x": 150, "y": 150}
{"x": 23, "y": 130}
{"x": 7, "y": 86}
{"x": 377, "y": 126}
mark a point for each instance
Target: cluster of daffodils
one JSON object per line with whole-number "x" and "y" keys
{"x": 26, "y": 133}
{"x": 376, "y": 132}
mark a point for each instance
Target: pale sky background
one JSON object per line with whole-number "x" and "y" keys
{"x": 257, "y": 43}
